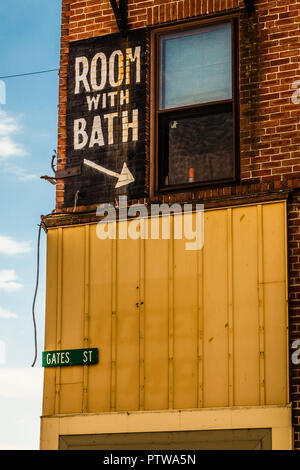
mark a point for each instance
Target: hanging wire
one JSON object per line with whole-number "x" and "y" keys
{"x": 42, "y": 225}
{"x": 54, "y": 156}
{"x": 28, "y": 73}
{"x": 35, "y": 293}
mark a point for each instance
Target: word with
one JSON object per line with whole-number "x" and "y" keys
{"x": 111, "y": 99}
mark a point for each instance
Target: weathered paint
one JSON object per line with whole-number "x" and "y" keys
{"x": 106, "y": 116}
{"x": 176, "y": 328}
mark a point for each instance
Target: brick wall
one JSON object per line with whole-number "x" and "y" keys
{"x": 269, "y": 49}
{"x": 294, "y": 305}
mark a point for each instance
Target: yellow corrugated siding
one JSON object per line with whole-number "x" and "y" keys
{"x": 175, "y": 328}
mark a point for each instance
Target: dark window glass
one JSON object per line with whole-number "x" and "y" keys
{"x": 199, "y": 148}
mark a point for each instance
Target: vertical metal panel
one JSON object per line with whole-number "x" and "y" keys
{"x": 141, "y": 302}
{"x": 71, "y": 398}
{"x": 261, "y": 305}
{"x": 200, "y": 314}
{"x": 51, "y": 321}
{"x": 59, "y": 316}
{"x": 114, "y": 318}
{"x": 275, "y": 280}
{"x": 245, "y": 298}
{"x": 86, "y": 315}
{"x": 175, "y": 328}
{"x": 156, "y": 324}
{"x": 73, "y": 283}
{"x": 171, "y": 316}
{"x": 127, "y": 365}
{"x": 102, "y": 288}
{"x": 215, "y": 309}
{"x": 230, "y": 313}
{"x": 73, "y": 305}
{"x": 185, "y": 325}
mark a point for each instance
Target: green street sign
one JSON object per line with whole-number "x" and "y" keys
{"x": 70, "y": 357}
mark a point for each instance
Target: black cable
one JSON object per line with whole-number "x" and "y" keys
{"x": 29, "y": 73}
{"x": 41, "y": 225}
{"x": 35, "y": 293}
{"x": 54, "y": 156}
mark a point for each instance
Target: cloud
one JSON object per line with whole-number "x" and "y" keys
{"x": 9, "y": 126}
{"x": 20, "y": 173}
{"x": 6, "y": 313}
{"x": 20, "y": 407}
{"x": 25, "y": 383}
{"x": 10, "y": 148}
{"x": 8, "y": 280}
{"x": 9, "y": 246}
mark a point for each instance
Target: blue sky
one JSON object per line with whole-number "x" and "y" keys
{"x": 30, "y": 38}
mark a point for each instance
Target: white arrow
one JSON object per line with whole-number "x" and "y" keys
{"x": 124, "y": 178}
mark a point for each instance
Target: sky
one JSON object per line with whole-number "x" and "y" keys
{"x": 30, "y": 40}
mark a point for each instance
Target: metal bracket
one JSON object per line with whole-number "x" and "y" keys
{"x": 250, "y": 6}
{"x": 68, "y": 172}
{"x": 121, "y": 14}
{"x": 62, "y": 174}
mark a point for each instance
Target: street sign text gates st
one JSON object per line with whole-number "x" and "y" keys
{"x": 70, "y": 357}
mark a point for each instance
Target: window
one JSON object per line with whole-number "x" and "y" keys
{"x": 195, "y": 106}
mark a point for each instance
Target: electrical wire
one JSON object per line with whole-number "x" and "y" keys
{"x": 29, "y": 73}
{"x": 35, "y": 293}
{"x": 41, "y": 225}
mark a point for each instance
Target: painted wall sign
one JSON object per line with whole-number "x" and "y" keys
{"x": 70, "y": 357}
{"x": 106, "y": 114}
